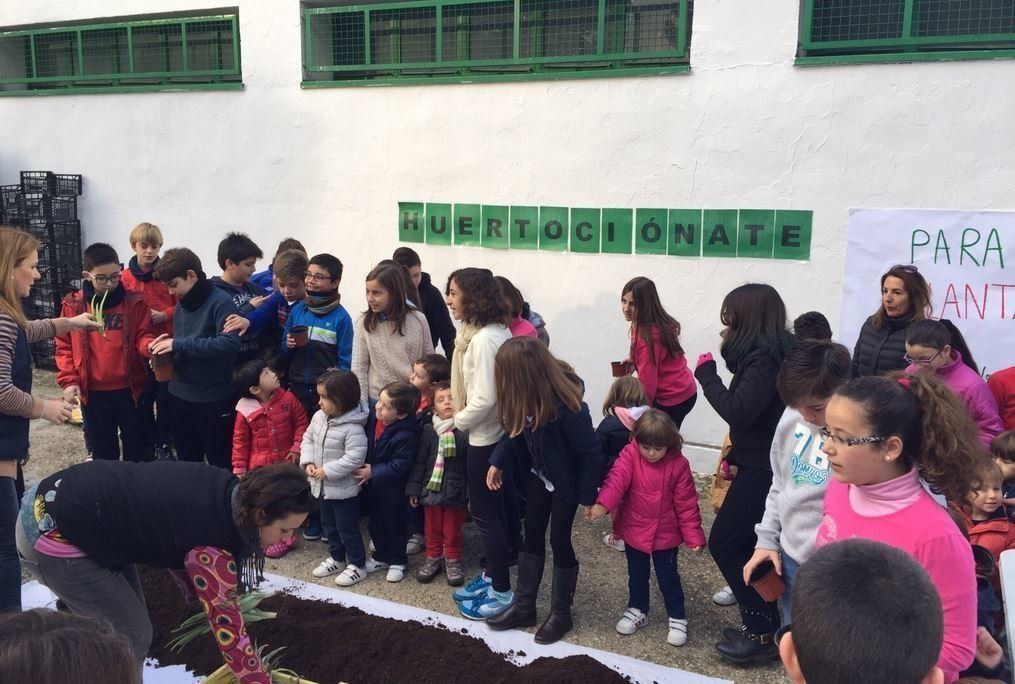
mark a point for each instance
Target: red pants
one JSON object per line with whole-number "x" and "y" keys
{"x": 444, "y": 532}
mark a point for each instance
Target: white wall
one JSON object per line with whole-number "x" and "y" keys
{"x": 746, "y": 129}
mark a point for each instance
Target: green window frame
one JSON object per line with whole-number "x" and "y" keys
{"x": 191, "y": 51}
{"x": 855, "y": 31}
{"x": 464, "y": 41}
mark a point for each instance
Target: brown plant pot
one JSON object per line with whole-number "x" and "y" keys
{"x": 300, "y": 335}
{"x": 767, "y": 582}
{"x": 162, "y": 364}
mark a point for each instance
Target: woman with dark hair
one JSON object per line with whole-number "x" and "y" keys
{"x": 754, "y": 343}
{"x": 656, "y": 352}
{"x": 881, "y": 346}
{"x": 515, "y": 303}
{"x": 476, "y": 301}
{"x": 82, "y": 529}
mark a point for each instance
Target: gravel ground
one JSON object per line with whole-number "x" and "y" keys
{"x": 599, "y": 601}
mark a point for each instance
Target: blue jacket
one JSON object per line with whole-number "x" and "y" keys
{"x": 393, "y": 455}
{"x": 272, "y": 314}
{"x": 570, "y": 452}
{"x": 264, "y": 280}
{"x": 204, "y": 356}
{"x": 330, "y": 343}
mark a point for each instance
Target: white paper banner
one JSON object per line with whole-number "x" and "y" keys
{"x": 967, "y": 257}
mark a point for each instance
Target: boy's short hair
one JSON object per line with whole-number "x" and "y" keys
{"x": 291, "y": 263}
{"x": 248, "y": 375}
{"x": 99, "y": 254}
{"x": 287, "y": 244}
{"x": 341, "y": 387}
{"x": 406, "y": 257}
{"x": 845, "y": 630}
{"x": 404, "y": 397}
{"x": 437, "y": 367}
{"x": 1003, "y": 446}
{"x": 812, "y": 326}
{"x": 656, "y": 429}
{"x": 175, "y": 263}
{"x": 813, "y": 368}
{"x": 329, "y": 263}
{"x": 146, "y": 232}
{"x": 237, "y": 247}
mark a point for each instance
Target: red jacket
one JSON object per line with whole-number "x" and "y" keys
{"x": 78, "y": 349}
{"x": 654, "y": 505}
{"x": 996, "y": 534}
{"x": 265, "y": 434}
{"x": 156, "y": 294}
{"x": 1002, "y": 386}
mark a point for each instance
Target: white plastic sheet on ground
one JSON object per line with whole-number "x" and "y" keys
{"x": 34, "y": 595}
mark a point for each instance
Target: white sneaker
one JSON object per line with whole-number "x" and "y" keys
{"x": 373, "y": 566}
{"x": 350, "y": 576}
{"x": 328, "y": 566}
{"x": 396, "y": 573}
{"x": 725, "y": 597}
{"x": 416, "y": 543}
{"x": 631, "y": 621}
{"x": 614, "y": 542}
{"x": 677, "y": 635}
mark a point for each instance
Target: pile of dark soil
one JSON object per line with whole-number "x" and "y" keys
{"x": 328, "y": 643}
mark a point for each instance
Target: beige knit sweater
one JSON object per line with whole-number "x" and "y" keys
{"x": 383, "y": 356}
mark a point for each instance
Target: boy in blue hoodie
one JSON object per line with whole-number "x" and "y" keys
{"x": 237, "y": 257}
{"x": 201, "y": 392}
{"x": 392, "y": 439}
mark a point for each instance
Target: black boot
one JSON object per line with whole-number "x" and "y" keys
{"x": 522, "y": 612}
{"x": 559, "y": 622}
{"x": 746, "y": 648}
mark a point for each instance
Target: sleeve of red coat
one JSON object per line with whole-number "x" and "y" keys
{"x": 648, "y": 367}
{"x": 241, "y": 445}
{"x": 618, "y": 480}
{"x": 685, "y": 503}
{"x": 66, "y": 374}
{"x": 145, "y": 331}
{"x": 300, "y": 423}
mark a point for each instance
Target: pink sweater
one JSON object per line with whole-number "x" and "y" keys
{"x": 902, "y": 514}
{"x": 666, "y": 378}
{"x": 520, "y": 327}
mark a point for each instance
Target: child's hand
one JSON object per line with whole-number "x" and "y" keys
{"x": 1008, "y": 502}
{"x": 159, "y": 317}
{"x": 161, "y": 344}
{"x": 258, "y": 301}
{"x": 294, "y": 457}
{"x": 72, "y": 394}
{"x": 594, "y": 513}
{"x": 236, "y": 322}
{"x": 704, "y": 358}
{"x": 362, "y": 475}
{"x": 290, "y": 342}
{"x": 414, "y": 501}
{"x": 311, "y": 468}
{"x": 494, "y": 478}
{"x": 695, "y": 549}
{"x": 319, "y": 474}
{"x": 759, "y": 557}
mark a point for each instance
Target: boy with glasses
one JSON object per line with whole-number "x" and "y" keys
{"x": 106, "y": 370}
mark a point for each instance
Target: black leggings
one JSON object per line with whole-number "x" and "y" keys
{"x": 679, "y": 411}
{"x": 486, "y": 509}
{"x": 548, "y": 509}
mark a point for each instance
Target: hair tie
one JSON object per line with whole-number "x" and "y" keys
{"x": 904, "y": 381}
{"x": 637, "y": 412}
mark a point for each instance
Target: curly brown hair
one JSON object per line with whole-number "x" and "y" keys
{"x": 270, "y": 493}
{"x": 482, "y": 303}
{"x": 938, "y": 435}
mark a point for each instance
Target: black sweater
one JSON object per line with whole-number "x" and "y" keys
{"x": 751, "y": 406}
{"x": 880, "y": 351}
{"x": 437, "y": 317}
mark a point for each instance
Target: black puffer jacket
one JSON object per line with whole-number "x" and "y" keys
{"x": 452, "y": 493}
{"x": 880, "y": 351}
{"x": 751, "y": 406}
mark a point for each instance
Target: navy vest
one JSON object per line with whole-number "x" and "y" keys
{"x": 14, "y": 429}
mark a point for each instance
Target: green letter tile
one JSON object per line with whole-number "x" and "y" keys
{"x": 495, "y": 226}
{"x": 468, "y": 218}
{"x": 616, "y": 231}
{"x": 524, "y": 228}
{"x": 410, "y": 221}
{"x": 793, "y": 234}
{"x": 585, "y": 230}
{"x": 438, "y": 224}
{"x": 650, "y": 236}
{"x": 756, "y": 233}
{"x": 685, "y": 232}
{"x": 553, "y": 227}
{"x": 719, "y": 233}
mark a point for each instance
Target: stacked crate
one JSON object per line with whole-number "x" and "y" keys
{"x": 45, "y": 204}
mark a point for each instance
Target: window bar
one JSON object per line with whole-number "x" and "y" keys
{"x": 396, "y": 41}
{"x": 462, "y": 39}
{"x": 682, "y": 28}
{"x": 35, "y": 67}
{"x": 308, "y": 56}
{"x": 907, "y": 24}
{"x": 130, "y": 49}
{"x": 601, "y": 27}
{"x": 439, "y": 39}
{"x": 165, "y": 51}
{"x": 81, "y": 56}
{"x": 516, "y": 47}
{"x": 183, "y": 47}
{"x": 366, "y": 37}
{"x": 537, "y": 37}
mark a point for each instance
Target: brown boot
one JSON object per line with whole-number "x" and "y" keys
{"x": 559, "y": 621}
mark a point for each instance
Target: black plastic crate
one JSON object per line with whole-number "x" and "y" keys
{"x": 67, "y": 184}
{"x": 15, "y": 222}
{"x": 43, "y": 302}
{"x": 10, "y": 200}
{"x": 38, "y": 181}
{"x": 60, "y": 265}
{"x": 64, "y": 231}
{"x": 46, "y": 207}
{"x": 44, "y": 354}
{"x": 39, "y": 228}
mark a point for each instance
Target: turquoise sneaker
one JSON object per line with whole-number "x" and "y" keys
{"x": 487, "y": 605}
{"x": 477, "y": 586}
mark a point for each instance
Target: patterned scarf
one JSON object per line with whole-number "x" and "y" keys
{"x": 322, "y": 303}
{"x": 459, "y": 393}
{"x": 445, "y": 450}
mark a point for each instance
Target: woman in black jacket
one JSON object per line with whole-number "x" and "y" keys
{"x": 549, "y": 432}
{"x": 881, "y": 345}
{"x": 754, "y": 343}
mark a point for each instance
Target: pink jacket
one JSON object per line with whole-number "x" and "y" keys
{"x": 655, "y": 505}
{"x": 973, "y": 390}
{"x": 666, "y": 378}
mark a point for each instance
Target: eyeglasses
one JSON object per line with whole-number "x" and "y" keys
{"x": 317, "y": 277}
{"x": 921, "y": 362}
{"x": 781, "y": 632}
{"x": 849, "y": 441}
{"x": 103, "y": 279}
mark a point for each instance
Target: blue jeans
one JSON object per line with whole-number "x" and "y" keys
{"x": 340, "y": 518}
{"x": 666, "y": 574}
{"x": 789, "y": 570}
{"x": 10, "y": 563}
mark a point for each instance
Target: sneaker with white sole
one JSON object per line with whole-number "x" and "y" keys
{"x": 328, "y": 566}
{"x": 396, "y": 573}
{"x": 631, "y": 621}
{"x": 373, "y": 566}
{"x": 350, "y": 576}
{"x": 724, "y": 597}
{"x": 476, "y": 586}
{"x": 487, "y": 605}
{"x": 613, "y": 541}
{"x": 677, "y": 636}
{"x": 416, "y": 543}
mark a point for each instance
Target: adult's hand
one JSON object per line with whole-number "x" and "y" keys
{"x": 759, "y": 557}
{"x": 494, "y": 478}
{"x": 56, "y": 411}
{"x": 84, "y": 321}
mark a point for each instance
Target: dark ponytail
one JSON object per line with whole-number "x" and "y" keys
{"x": 267, "y": 494}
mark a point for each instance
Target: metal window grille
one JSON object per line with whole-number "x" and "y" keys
{"x": 859, "y": 27}
{"x": 115, "y": 53}
{"x": 457, "y": 38}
